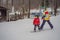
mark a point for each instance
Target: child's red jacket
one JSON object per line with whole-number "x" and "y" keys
{"x": 36, "y": 21}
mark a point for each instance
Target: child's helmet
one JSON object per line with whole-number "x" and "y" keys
{"x": 36, "y": 16}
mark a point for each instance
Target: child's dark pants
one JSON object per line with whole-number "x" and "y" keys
{"x": 36, "y": 26}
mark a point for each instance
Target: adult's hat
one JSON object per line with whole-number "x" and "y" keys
{"x": 46, "y": 12}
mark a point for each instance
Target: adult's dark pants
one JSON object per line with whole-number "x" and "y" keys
{"x": 48, "y": 21}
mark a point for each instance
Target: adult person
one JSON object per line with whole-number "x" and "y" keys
{"x": 46, "y": 18}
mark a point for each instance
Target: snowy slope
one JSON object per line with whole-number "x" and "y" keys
{"x": 22, "y": 30}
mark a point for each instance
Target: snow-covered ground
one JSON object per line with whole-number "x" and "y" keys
{"x": 22, "y": 30}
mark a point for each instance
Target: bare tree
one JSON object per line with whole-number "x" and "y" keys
{"x": 23, "y": 7}
{"x": 55, "y": 7}
{"x": 0, "y": 2}
{"x": 7, "y": 17}
{"x": 29, "y": 10}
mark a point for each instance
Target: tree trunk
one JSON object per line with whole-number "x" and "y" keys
{"x": 55, "y": 11}
{"x": 7, "y": 15}
{"x": 29, "y": 10}
{"x": 55, "y": 8}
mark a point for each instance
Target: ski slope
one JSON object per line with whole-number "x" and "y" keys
{"x": 22, "y": 30}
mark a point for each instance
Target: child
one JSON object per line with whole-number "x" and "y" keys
{"x": 36, "y": 22}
